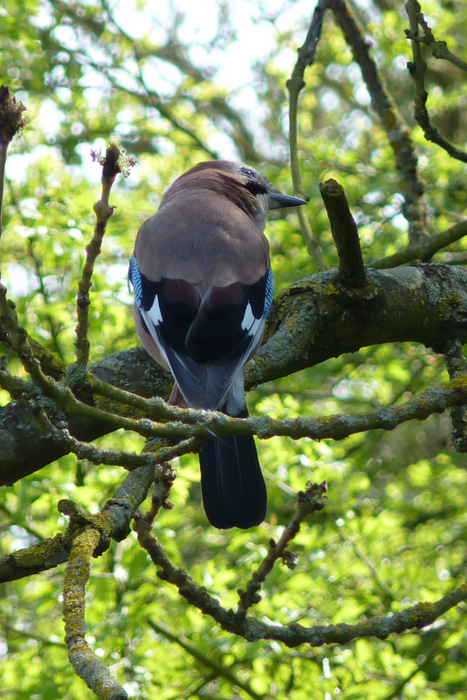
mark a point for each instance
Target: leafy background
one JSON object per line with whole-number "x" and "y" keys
{"x": 393, "y": 531}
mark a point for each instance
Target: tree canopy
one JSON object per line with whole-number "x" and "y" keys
{"x": 354, "y": 587}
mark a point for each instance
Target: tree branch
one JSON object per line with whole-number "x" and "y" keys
{"x": 218, "y": 668}
{"x": 113, "y": 521}
{"x": 417, "y": 70}
{"x": 87, "y": 666}
{"x": 388, "y": 594}
{"x": 456, "y": 363}
{"x": 295, "y": 85}
{"x": 397, "y": 132}
{"x": 424, "y": 250}
{"x": 113, "y": 164}
{"x": 310, "y": 322}
{"x": 310, "y": 501}
{"x": 293, "y": 635}
{"x": 345, "y": 234}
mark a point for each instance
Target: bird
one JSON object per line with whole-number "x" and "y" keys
{"x": 203, "y": 288}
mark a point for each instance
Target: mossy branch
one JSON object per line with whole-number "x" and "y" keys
{"x": 87, "y": 666}
{"x": 252, "y": 629}
{"x": 456, "y": 363}
{"x": 113, "y": 522}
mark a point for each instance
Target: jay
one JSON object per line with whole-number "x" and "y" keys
{"x": 203, "y": 288}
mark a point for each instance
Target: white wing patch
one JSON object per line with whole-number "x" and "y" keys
{"x": 153, "y": 319}
{"x": 154, "y": 313}
{"x": 248, "y": 318}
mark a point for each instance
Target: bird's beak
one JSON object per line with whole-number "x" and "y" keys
{"x": 277, "y": 200}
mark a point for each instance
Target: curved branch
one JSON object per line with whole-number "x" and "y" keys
{"x": 295, "y": 85}
{"x": 415, "y": 617}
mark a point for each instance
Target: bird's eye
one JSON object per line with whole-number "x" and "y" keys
{"x": 247, "y": 172}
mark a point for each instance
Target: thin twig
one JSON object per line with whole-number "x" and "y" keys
{"x": 417, "y": 69}
{"x": 439, "y": 49}
{"x": 103, "y": 212}
{"x": 163, "y": 481}
{"x": 424, "y": 250}
{"x": 310, "y": 501}
{"x": 54, "y": 328}
{"x": 28, "y": 634}
{"x": 423, "y": 662}
{"x": 367, "y": 561}
{"x": 96, "y": 455}
{"x": 295, "y": 85}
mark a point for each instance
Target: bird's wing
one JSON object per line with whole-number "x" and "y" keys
{"x": 205, "y": 340}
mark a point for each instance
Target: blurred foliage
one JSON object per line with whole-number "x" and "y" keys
{"x": 394, "y": 530}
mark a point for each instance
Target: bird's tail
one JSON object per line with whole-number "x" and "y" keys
{"x": 234, "y": 492}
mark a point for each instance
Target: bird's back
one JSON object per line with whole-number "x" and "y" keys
{"x": 202, "y": 238}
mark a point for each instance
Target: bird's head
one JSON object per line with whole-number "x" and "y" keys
{"x": 240, "y": 184}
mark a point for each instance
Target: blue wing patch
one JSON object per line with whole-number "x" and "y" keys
{"x": 269, "y": 296}
{"x": 134, "y": 277}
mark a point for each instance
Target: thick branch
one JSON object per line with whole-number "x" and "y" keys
{"x": 114, "y": 520}
{"x": 311, "y": 321}
{"x": 86, "y": 665}
{"x": 456, "y": 363}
